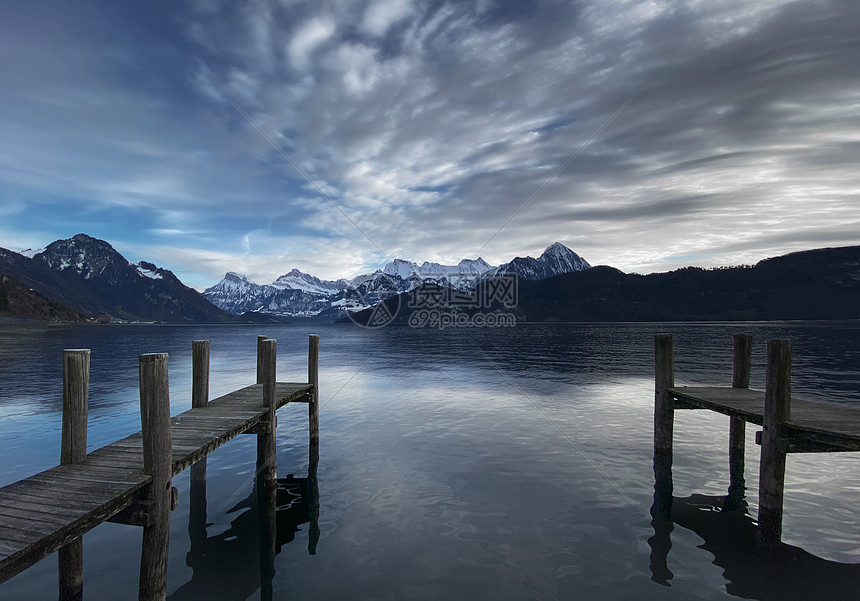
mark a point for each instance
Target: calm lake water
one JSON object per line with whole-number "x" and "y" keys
{"x": 459, "y": 464}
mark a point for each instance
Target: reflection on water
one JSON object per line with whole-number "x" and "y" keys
{"x": 445, "y": 474}
{"x": 780, "y": 573}
{"x": 235, "y": 563}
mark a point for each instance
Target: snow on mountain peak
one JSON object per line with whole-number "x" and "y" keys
{"x": 402, "y": 268}
{"x": 30, "y": 253}
{"x": 297, "y": 280}
{"x": 147, "y": 270}
{"x": 563, "y": 259}
{"x": 300, "y": 294}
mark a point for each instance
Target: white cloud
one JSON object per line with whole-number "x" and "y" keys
{"x": 382, "y": 14}
{"x": 310, "y": 36}
{"x": 431, "y": 126}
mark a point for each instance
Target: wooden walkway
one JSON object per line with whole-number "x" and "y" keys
{"x": 44, "y": 512}
{"x": 812, "y": 427}
{"x": 129, "y": 481}
{"x": 789, "y": 425}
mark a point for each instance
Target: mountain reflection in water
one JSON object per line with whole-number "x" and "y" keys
{"x": 780, "y": 573}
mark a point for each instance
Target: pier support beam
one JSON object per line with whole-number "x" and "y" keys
{"x": 741, "y": 360}
{"x": 267, "y": 466}
{"x": 664, "y": 417}
{"x": 197, "y": 492}
{"x": 314, "y": 378}
{"x": 313, "y": 491}
{"x": 260, "y": 340}
{"x": 199, "y": 373}
{"x": 73, "y": 449}
{"x": 777, "y": 410}
{"x": 155, "y": 425}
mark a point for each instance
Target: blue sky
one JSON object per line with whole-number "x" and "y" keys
{"x": 428, "y": 125}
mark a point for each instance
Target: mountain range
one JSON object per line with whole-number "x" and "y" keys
{"x": 86, "y": 279}
{"x": 821, "y": 284}
{"x": 298, "y": 294}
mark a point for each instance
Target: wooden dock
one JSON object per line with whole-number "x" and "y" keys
{"x": 129, "y": 481}
{"x": 789, "y": 425}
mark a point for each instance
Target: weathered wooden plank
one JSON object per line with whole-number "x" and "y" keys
{"x": 83, "y": 480}
{"x": 35, "y": 550}
{"x": 829, "y": 423}
{"x": 37, "y": 530}
{"x": 130, "y": 463}
{"x": 45, "y": 497}
{"x": 45, "y": 486}
{"x": 38, "y": 506}
{"x": 735, "y": 402}
{"x": 21, "y": 513}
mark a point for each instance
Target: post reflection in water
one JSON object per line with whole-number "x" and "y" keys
{"x": 240, "y": 560}
{"x": 751, "y": 571}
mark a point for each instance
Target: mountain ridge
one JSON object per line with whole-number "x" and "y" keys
{"x": 297, "y": 294}
{"x": 89, "y": 276}
{"x": 820, "y": 284}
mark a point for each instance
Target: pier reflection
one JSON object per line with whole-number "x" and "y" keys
{"x": 751, "y": 571}
{"x": 235, "y": 563}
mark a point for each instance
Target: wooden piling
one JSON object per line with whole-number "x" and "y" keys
{"x": 777, "y": 410}
{"x": 664, "y": 416}
{"x": 267, "y": 466}
{"x": 741, "y": 361}
{"x": 197, "y": 492}
{"x": 313, "y": 491}
{"x": 155, "y": 426}
{"x": 200, "y": 373}
{"x": 73, "y": 449}
{"x": 260, "y": 340}
{"x": 313, "y": 498}
{"x": 314, "y": 379}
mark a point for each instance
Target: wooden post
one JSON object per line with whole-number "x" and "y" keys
{"x": 200, "y": 373}
{"x": 313, "y": 489}
{"x": 314, "y": 379}
{"x": 267, "y": 466}
{"x": 741, "y": 360}
{"x": 260, "y": 340}
{"x": 155, "y": 426}
{"x": 197, "y": 492}
{"x": 664, "y": 417}
{"x": 313, "y": 499}
{"x": 777, "y": 410}
{"x": 73, "y": 449}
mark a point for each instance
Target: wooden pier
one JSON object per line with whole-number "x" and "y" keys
{"x": 789, "y": 425}
{"x": 129, "y": 481}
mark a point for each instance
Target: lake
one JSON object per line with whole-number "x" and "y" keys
{"x": 467, "y": 463}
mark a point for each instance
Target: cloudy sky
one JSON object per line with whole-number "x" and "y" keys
{"x": 643, "y": 135}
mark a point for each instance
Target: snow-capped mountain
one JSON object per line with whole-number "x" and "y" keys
{"x": 296, "y": 280}
{"x": 461, "y": 275}
{"x": 90, "y": 276}
{"x": 298, "y": 294}
{"x": 555, "y": 260}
